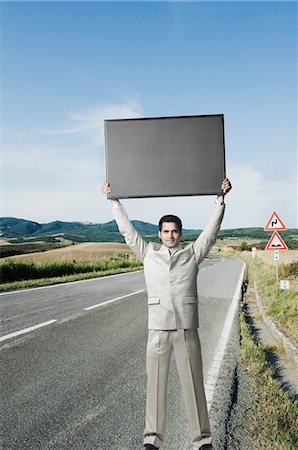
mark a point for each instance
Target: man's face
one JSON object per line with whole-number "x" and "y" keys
{"x": 169, "y": 234}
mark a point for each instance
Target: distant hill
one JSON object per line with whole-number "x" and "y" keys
{"x": 9, "y": 226}
{"x": 20, "y": 230}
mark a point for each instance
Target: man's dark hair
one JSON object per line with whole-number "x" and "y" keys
{"x": 170, "y": 218}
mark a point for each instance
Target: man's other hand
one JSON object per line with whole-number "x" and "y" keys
{"x": 106, "y": 189}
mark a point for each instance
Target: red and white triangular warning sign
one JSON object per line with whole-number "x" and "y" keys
{"x": 275, "y": 223}
{"x": 276, "y": 243}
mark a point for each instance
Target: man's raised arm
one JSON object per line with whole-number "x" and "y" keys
{"x": 207, "y": 238}
{"x": 132, "y": 238}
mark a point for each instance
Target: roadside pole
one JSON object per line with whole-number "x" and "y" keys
{"x": 276, "y": 258}
{"x": 284, "y": 285}
{"x": 254, "y": 252}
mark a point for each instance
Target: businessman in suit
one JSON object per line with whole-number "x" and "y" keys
{"x": 171, "y": 281}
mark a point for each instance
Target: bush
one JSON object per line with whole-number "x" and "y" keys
{"x": 290, "y": 269}
{"x": 243, "y": 246}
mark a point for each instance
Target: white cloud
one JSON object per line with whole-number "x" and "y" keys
{"x": 42, "y": 166}
{"x": 80, "y": 204}
{"x": 51, "y": 162}
{"x": 89, "y": 123}
{"x": 255, "y": 196}
{"x": 250, "y": 203}
{"x": 56, "y": 174}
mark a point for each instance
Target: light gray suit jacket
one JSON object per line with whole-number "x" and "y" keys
{"x": 171, "y": 280}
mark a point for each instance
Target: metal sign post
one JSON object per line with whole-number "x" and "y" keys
{"x": 254, "y": 252}
{"x": 284, "y": 285}
{"x": 276, "y": 258}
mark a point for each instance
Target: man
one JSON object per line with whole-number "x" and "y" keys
{"x": 171, "y": 281}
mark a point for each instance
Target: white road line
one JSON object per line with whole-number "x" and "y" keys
{"x": 213, "y": 372}
{"x": 68, "y": 283}
{"x": 113, "y": 300}
{"x": 26, "y": 330}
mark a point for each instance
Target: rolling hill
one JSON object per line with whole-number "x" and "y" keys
{"x": 21, "y": 230}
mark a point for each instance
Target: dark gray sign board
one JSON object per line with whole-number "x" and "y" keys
{"x": 165, "y": 156}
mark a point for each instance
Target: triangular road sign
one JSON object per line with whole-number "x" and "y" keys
{"x": 276, "y": 243}
{"x": 275, "y": 223}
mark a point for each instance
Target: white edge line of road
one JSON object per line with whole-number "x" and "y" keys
{"x": 214, "y": 370}
{"x": 113, "y": 300}
{"x": 27, "y": 330}
{"x": 68, "y": 283}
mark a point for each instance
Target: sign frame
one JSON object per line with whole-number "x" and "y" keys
{"x": 269, "y": 244}
{"x": 272, "y": 228}
{"x": 165, "y": 156}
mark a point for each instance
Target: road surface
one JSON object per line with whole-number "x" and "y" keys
{"x": 78, "y": 381}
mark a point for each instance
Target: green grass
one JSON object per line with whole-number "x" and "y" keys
{"x": 265, "y": 276}
{"x": 20, "y": 275}
{"x": 272, "y": 419}
{"x": 19, "y": 271}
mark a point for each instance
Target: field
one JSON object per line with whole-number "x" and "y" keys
{"x": 8, "y": 249}
{"x": 104, "y": 251}
{"x": 71, "y": 263}
{"x": 4, "y": 242}
{"x": 85, "y": 252}
{"x": 285, "y": 257}
{"x": 230, "y": 245}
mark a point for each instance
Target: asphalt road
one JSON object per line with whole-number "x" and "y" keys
{"x": 79, "y": 383}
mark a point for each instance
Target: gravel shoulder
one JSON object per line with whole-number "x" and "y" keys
{"x": 236, "y": 431}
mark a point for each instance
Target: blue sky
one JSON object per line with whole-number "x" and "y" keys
{"x": 67, "y": 66}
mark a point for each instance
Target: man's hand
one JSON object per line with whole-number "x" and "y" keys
{"x": 106, "y": 189}
{"x": 226, "y": 186}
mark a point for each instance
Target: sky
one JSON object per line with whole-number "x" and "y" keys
{"x": 67, "y": 66}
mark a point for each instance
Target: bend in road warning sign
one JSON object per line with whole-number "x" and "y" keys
{"x": 276, "y": 243}
{"x": 275, "y": 223}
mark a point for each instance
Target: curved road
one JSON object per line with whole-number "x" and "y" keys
{"x": 78, "y": 382}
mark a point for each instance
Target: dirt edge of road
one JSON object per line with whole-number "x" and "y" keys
{"x": 238, "y": 396}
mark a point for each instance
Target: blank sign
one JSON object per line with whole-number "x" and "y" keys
{"x": 165, "y": 157}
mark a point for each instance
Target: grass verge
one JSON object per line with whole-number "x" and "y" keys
{"x": 286, "y": 316}
{"x": 272, "y": 419}
{"x": 28, "y": 270}
{"x": 12, "y": 286}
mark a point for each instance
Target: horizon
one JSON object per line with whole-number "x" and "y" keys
{"x": 137, "y": 220}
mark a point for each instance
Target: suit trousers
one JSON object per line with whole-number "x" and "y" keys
{"x": 187, "y": 350}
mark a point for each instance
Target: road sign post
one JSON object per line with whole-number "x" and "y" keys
{"x": 284, "y": 285}
{"x": 254, "y": 252}
{"x": 276, "y": 258}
